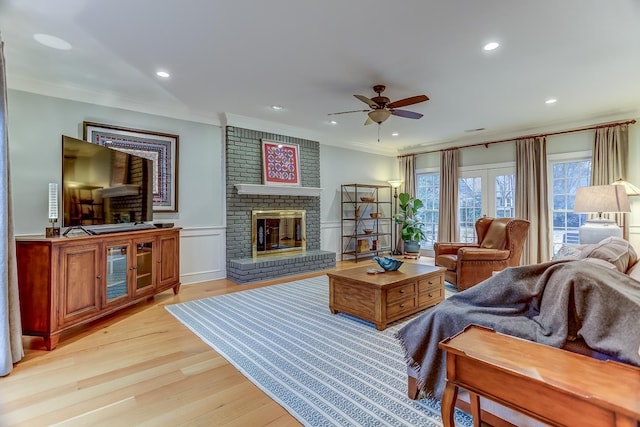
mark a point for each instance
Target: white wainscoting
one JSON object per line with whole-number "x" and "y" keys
{"x": 634, "y": 236}
{"x": 202, "y": 254}
{"x": 330, "y": 237}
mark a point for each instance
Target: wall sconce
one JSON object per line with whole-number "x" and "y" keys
{"x": 395, "y": 184}
{"x": 600, "y": 199}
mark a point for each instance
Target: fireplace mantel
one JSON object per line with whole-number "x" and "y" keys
{"x": 278, "y": 190}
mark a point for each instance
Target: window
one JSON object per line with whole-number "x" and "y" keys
{"x": 428, "y": 190}
{"x": 489, "y": 191}
{"x": 469, "y": 206}
{"x": 567, "y": 175}
{"x": 474, "y": 192}
{"x": 505, "y": 186}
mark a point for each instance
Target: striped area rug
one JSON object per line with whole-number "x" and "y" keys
{"x": 326, "y": 370}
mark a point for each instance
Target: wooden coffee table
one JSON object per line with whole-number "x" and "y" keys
{"x": 383, "y": 298}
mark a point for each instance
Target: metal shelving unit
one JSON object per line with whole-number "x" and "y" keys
{"x": 365, "y": 207}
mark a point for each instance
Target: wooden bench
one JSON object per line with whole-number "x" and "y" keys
{"x": 554, "y": 386}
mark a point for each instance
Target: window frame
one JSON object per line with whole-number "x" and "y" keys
{"x": 552, "y": 159}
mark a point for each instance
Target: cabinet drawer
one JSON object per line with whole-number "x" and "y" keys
{"x": 401, "y": 292}
{"x": 431, "y": 282}
{"x": 431, "y": 297}
{"x": 400, "y": 306}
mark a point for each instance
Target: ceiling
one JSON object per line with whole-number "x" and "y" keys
{"x": 231, "y": 60}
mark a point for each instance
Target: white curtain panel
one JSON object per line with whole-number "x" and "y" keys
{"x": 408, "y": 170}
{"x": 531, "y": 198}
{"x": 448, "y": 215}
{"x": 608, "y": 162}
{"x": 11, "y": 350}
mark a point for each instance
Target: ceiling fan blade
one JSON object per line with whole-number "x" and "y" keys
{"x": 345, "y": 112}
{"x": 408, "y": 101}
{"x": 406, "y": 114}
{"x": 369, "y": 122}
{"x": 369, "y": 102}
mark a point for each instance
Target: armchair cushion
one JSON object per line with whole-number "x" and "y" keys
{"x": 447, "y": 261}
{"x": 453, "y": 248}
{"x": 496, "y": 234}
{"x": 483, "y": 254}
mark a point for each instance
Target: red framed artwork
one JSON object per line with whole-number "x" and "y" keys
{"x": 280, "y": 163}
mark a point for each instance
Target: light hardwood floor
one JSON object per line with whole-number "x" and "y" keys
{"x": 139, "y": 366}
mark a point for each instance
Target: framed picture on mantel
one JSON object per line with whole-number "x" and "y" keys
{"x": 280, "y": 163}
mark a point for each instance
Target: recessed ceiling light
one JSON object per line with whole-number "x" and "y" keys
{"x": 333, "y": 122}
{"x": 395, "y": 134}
{"x": 276, "y": 107}
{"x": 163, "y": 74}
{"x": 491, "y": 46}
{"x": 551, "y": 101}
{"x": 52, "y": 42}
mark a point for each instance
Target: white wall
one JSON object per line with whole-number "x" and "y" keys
{"x": 339, "y": 166}
{"x": 36, "y": 124}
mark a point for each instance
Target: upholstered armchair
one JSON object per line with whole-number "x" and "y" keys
{"x": 500, "y": 244}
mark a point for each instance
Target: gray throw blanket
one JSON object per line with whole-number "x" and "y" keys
{"x": 549, "y": 303}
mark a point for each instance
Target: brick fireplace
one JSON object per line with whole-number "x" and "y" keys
{"x": 244, "y": 166}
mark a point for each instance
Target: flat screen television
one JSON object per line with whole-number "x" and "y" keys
{"x": 101, "y": 185}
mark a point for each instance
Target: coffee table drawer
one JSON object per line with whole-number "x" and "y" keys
{"x": 401, "y": 292}
{"x": 431, "y": 297}
{"x": 401, "y": 306}
{"x": 431, "y": 282}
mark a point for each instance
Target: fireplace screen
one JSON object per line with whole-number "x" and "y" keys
{"x": 278, "y": 231}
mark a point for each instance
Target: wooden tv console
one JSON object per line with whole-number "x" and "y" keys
{"x": 67, "y": 281}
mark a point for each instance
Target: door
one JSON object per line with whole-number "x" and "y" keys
{"x": 144, "y": 268}
{"x": 118, "y": 274}
{"x": 169, "y": 260}
{"x": 80, "y": 280}
{"x": 484, "y": 192}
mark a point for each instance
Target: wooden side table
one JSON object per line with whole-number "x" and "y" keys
{"x": 552, "y": 385}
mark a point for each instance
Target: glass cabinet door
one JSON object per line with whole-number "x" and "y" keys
{"x": 144, "y": 265}
{"x": 117, "y": 272}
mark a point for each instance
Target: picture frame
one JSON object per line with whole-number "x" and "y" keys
{"x": 161, "y": 148}
{"x": 280, "y": 163}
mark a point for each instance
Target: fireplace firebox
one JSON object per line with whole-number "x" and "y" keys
{"x": 278, "y": 231}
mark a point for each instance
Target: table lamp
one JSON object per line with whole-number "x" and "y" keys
{"x": 600, "y": 199}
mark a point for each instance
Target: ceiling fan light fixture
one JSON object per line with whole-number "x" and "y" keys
{"x": 379, "y": 116}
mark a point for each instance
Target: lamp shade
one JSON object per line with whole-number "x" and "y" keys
{"x": 629, "y": 188}
{"x": 395, "y": 183}
{"x": 601, "y": 198}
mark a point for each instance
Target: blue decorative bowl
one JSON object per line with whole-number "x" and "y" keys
{"x": 388, "y": 263}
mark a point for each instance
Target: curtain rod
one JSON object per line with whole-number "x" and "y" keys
{"x": 486, "y": 144}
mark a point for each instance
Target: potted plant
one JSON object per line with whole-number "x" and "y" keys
{"x": 412, "y": 227}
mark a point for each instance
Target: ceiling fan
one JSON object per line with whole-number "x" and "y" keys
{"x": 381, "y": 107}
